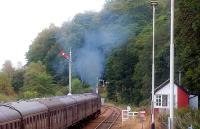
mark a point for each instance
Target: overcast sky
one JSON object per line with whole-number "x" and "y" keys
{"x": 22, "y": 20}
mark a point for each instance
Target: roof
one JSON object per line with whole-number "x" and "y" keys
{"x": 67, "y": 100}
{"x": 29, "y": 107}
{"x": 167, "y": 82}
{"x": 9, "y": 111}
{"x": 8, "y": 114}
{"x": 80, "y": 97}
{"x": 51, "y": 103}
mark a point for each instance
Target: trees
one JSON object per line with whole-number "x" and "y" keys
{"x": 18, "y": 79}
{"x": 5, "y": 85}
{"x": 121, "y": 33}
{"x": 129, "y": 68}
{"x": 188, "y": 43}
{"x": 45, "y": 49}
{"x": 37, "y": 81}
{"x": 8, "y": 69}
{"x": 6, "y": 74}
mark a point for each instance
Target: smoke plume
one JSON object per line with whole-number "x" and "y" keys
{"x": 93, "y": 46}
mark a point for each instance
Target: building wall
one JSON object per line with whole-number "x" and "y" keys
{"x": 166, "y": 91}
{"x": 193, "y": 102}
{"x": 182, "y": 98}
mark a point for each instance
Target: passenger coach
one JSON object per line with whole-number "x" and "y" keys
{"x": 49, "y": 113}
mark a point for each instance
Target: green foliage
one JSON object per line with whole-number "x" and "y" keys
{"x": 79, "y": 87}
{"x": 188, "y": 43}
{"x": 76, "y": 86}
{"x": 186, "y": 118}
{"x": 18, "y": 79}
{"x": 45, "y": 40}
{"x": 45, "y": 49}
{"x": 8, "y": 69}
{"x": 4, "y": 98}
{"x": 129, "y": 68}
{"x": 163, "y": 120}
{"x": 37, "y": 80}
{"x": 118, "y": 73}
{"x": 29, "y": 94}
{"x": 5, "y": 85}
{"x": 183, "y": 119}
{"x": 60, "y": 90}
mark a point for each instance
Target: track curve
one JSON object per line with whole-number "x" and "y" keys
{"x": 109, "y": 121}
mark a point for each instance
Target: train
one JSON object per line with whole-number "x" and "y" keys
{"x": 60, "y": 112}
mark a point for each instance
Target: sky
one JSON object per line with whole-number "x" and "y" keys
{"x": 22, "y": 20}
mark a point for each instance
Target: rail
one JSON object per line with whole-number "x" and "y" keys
{"x": 108, "y": 122}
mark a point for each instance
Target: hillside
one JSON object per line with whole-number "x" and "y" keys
{"x": 114, "y": 44}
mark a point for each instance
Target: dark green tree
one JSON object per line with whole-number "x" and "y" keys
{"x": 188, "y": 43}
{"x": 18, "y": 79}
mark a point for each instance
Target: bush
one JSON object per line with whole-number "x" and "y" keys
{"x": 187, "y": 117}
{"x": 183, "y": 119}
{"x": 4, "y": 98}
{"x": 163, "y": 120}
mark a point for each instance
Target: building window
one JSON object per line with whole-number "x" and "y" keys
{"x": 162, "y": 100}
{"x": 158, "y": 100}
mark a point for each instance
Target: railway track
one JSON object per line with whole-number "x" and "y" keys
{"x": 108, "y": 122}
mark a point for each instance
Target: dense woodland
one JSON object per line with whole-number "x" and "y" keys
{"x": 114, "y": 44}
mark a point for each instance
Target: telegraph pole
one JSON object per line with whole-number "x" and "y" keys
{"x": 70, "y": 72}
{"x": 153, "y": 3}
{"x": 172, "y": 67}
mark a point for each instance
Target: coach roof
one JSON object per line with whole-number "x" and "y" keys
{"x": 8, "y": 114}
{"x": 67, "y": 100}
{"x": 29, "y": 107}
{"x": 52, "y": 103}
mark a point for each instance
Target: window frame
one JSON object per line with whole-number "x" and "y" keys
{"x": 159, "y": 100}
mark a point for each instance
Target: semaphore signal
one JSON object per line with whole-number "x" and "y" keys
{"x": 68, "y": 57}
